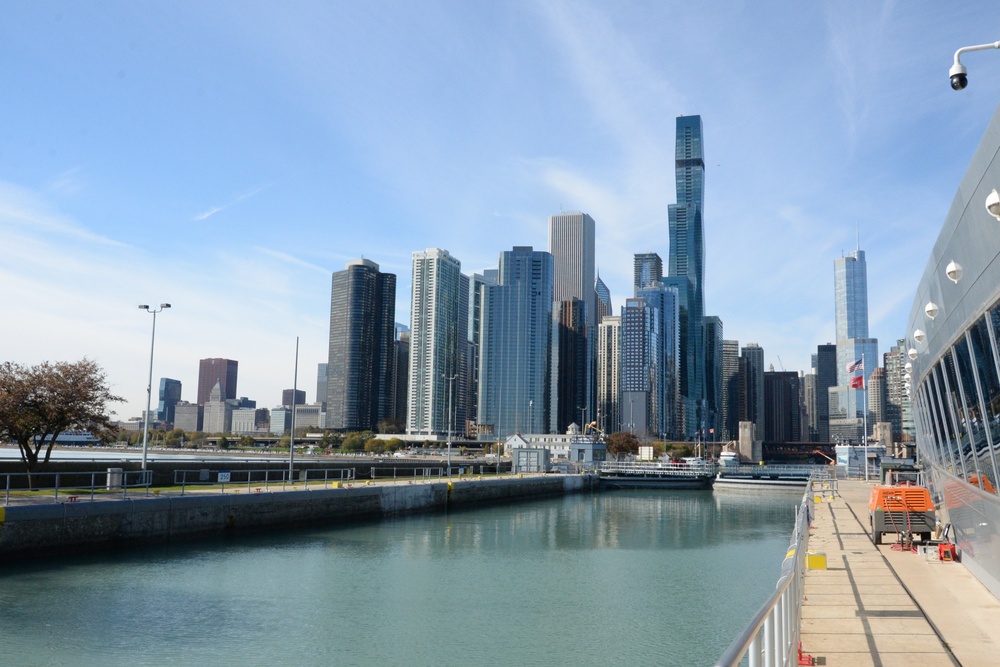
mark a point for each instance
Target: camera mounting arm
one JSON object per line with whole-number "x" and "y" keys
{"x": 958, "y": 73}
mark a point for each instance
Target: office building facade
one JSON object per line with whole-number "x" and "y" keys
{"x": 221, "y": 371}
{"x": 169, "y": 395}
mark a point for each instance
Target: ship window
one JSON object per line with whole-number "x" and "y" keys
{"x": 937, "y": 422}
{"x": 989, "y": 383}
{"x": 969, "y": 395}
{"x": 953, "y": 405}
{"x": 945, "y": 420}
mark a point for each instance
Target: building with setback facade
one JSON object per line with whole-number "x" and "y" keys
{"x": 360, "y": 366}
{"x": 853, "y": 344}
{"x": 647, "y": 268}
{"x": 687, "y": 260}
{"x": 604, "y": 307}
{"x": 439, "y": 320}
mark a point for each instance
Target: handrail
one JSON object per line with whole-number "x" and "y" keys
{"x": 772, "y": 635}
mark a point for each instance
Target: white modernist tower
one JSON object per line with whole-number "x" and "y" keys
{"x": 438, "y": 345}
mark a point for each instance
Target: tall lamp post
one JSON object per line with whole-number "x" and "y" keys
{"x": 149, "y": 387}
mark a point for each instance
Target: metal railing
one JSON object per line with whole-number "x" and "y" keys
{"x": 650, "y": 468}
{"x": 73, "y": 486}
{"x": 771, "y": 637}
{"x": 260, "y": 480}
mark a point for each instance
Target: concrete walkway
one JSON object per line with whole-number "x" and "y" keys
{"x": 883, "y": 607}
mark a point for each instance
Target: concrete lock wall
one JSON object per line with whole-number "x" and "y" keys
{"x": 60, "y": 528}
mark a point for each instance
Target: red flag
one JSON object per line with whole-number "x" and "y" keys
{"x": 858, "y": 382}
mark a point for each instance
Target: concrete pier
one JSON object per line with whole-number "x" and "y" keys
{"x": 874, "y": 605}
{"x": 55, "y": 528}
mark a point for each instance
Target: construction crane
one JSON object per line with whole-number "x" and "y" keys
{"x": 781, "y": 363}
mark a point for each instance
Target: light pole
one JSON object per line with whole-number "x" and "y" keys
{"x": 451, "y": 383}
{"x": 149, "y": 387}
{"x": 583, "y": 420}
{"x": 531, "y": 414}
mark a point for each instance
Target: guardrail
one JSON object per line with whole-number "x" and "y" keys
{"x": 260, "y": 480}
{"x": 652, "y": 468}
{"x": 74, "y": 485}
{"x": 771, "y": 637}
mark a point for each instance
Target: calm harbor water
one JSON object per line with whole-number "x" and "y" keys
{"x": 621, "y": 577}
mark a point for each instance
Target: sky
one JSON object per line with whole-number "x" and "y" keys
{"x": 227, "y": 157}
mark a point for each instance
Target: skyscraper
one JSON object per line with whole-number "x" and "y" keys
{"x": 571, "y": 365}
{"x": 752, "y": 390}
{"x": 853, "y": 343}
{"x": 665, "y": 416}
{"x": 360, "y": 362}
{"x": 730, "y": 399}
{"x": 438, "y": 340}
{"x": 713, "y": 378}
{"x": 826, "y": 378}
{"x": 516, "y": 345}
{"x": 647, "y": 268}
{"x": 604, "y": 307}
{"x": 170, "y": 394}
{"x": 321, "y": 385}
{"x": 571, "y": 242}
{"x": 212, "y": 371}
{"x": 639, "y": 363}
{"x": 783, "y": 415}
{"x": 898, "y": 408}
{"x": 608, "y": 373}
{"x": 687, "y": 259}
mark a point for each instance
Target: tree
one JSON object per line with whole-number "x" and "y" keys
{"x": 622, "y": 443}
{"x": 40, "y": 403}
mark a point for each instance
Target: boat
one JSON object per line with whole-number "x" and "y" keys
{"x": 952, "y": 343}
{"x": 738, "y": 477}
{"x": 657, "y": 474}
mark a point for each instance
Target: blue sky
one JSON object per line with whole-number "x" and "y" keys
{"x": 226, "y": 157}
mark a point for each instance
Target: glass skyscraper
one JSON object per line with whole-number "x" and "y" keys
{"x": 851, "y": 317}
{"x": 515, "y": 345}
{"x": 604, "y": 307}
{"x": 360, "y": 368}
{"x": 647, "y": 268}
{"x": 687, "y": 259}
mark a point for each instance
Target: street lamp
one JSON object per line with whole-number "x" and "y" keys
{"x": 149, "y": 387}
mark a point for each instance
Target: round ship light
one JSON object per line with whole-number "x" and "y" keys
{"x": 954, "y": 271}
{"x": 931, "y": 309}
{"x": 911, "y": 353}
{"x": 919, "y": 335}
{"x": 993, "y": 204}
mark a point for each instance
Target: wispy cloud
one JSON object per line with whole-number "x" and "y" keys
{"x": 243, "y": 197}
{"x": 291, "y": 259}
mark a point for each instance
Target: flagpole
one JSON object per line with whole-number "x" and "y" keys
{"x": 864, "y": 411}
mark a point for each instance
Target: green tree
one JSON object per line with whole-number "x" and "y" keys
{"x": 223, "y": 443}
{"x": 621, "y": 444}
{"x": 355, "y": 442}
{"x": 374, "y": 445}
{"x": 247, "y": 442}
{"x": 39, "y": 403}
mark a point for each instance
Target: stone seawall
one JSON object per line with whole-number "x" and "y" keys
{"x": 60, "y": 528}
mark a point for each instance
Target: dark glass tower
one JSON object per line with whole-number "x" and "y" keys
{"x": 170, "y": 394}
{"x": 687, "y": 259}
{"x": 362, "y": 333}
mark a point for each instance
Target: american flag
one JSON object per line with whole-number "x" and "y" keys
{"x": 858, "y": 365}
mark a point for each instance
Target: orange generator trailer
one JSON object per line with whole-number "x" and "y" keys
{"x": 906, "y": 510}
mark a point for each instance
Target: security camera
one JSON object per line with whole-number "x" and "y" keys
{"x": 959, "y": 76}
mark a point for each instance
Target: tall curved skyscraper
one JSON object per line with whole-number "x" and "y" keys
{"x": 687, "y": 262}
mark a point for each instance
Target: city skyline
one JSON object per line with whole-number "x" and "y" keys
{"x": 160, "y": 163}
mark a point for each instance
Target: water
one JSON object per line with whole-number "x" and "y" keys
{"x": 622, "y": 577}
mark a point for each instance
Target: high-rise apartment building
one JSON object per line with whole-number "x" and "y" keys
{"x": 730, "y": 397}
{"x": 687, "y": 260}
{"x": 608, "y": 373}
{"x": 826, "y": 378}
{"x": 401, "y": 372}
{"x": 439, "y": 320}
{"x": 713, "y": 378}
{"x": 221, "y": 371}
{"x": 782, "y": 412}
{"x": 515, "y": 351}
{"x": 647, "y": 269}
{"x": 476, "y": 292}
{"x": 898, "y": 408}
{"x": 170, "y": 394}
{"x": 571, "y": 366}
{"x": 877, "y": 397}
{"x": 360, "y": 364}
{"x": 664, "y": 420}
{"x": 640, "y": 350}
{"x": 752, "y": 389}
